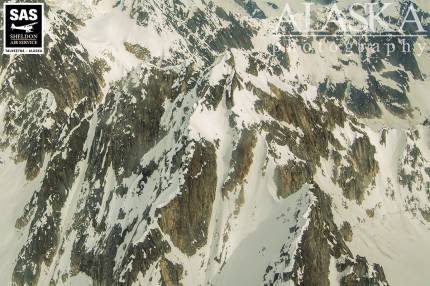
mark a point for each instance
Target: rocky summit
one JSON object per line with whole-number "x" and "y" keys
{"x": 201, "y": 142}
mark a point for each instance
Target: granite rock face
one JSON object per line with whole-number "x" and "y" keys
{"x": 320, "y": 245}
{"x": 186, "y": 218}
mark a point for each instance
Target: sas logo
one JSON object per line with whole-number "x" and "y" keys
{"x": 23, "y": 28}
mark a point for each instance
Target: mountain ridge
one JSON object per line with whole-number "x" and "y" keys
{"x": 167, "y": 143}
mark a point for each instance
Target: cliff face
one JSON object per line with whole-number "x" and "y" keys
{"x": 170, "y": 143}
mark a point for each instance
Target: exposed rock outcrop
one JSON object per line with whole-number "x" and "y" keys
{"x": 322, "y": 242}
{"x": 186, "y": 218}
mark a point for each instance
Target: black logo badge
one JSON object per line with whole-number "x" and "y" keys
{"x": 23, "y": 28}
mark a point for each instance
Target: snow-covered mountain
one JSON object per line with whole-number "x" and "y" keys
{"x": 182, "y": 142}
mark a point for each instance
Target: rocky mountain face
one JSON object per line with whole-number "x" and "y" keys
{"x": 182, "y": 142}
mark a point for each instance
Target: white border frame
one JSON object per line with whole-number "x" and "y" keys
{"x": 26, "y": 50}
